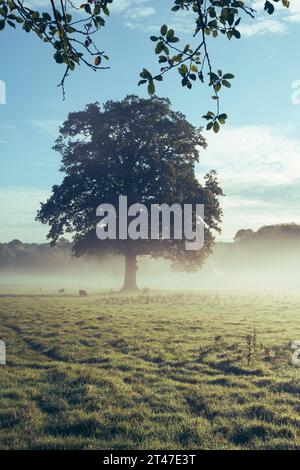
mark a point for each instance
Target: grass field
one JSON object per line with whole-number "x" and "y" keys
{"x": 175, "y": 371}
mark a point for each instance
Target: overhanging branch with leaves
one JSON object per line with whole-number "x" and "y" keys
{"x": 70, "y": 30}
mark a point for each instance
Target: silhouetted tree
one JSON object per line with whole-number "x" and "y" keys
{"x": 136, "y": 148}
{"x": 243, "y": 234}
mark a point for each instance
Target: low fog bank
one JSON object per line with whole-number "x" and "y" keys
{"x": 268, "y": 259}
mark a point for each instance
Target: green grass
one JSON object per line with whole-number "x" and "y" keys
{"x": 177, "y": 371}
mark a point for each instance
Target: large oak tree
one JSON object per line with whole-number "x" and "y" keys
{"x": 139, "y": 148}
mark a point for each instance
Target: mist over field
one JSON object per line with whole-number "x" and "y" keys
{"x": 262, "y": 260}
{"x": 199, "y": 360}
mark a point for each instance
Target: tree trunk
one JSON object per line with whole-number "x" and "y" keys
{"x": 130, "y": 272}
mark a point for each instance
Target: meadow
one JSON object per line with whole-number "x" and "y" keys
{"x": 150, "y": 371}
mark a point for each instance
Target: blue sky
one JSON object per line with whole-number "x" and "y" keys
{"x": 257, "y": 154}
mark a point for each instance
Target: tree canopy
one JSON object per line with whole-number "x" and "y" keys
{"x": 139, "y": 148}
{"x": 73, "y": 39}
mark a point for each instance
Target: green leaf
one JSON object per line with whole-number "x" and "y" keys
{"x": 162, "y": 59}
{"x": 35, "y": 15}
{"x": 226, "y": 84}
{"x": 145, "y": 74}
{"x": 183, "y": 69}
{"x": 87, "y": 9}
{"x": 151, "y": 88}
{"x": 58, "y": 58}
{"x": 173, "y": 39}
{"x": 236, "y": 33}
{"x": 216, "y": 127}
{"x": 27, "y": 27}
{"x": 269, "y": 7}
{"x": 97, "y": 9}
{"x": 46, "y": 17}
{"x": 2, "y": 24}
{"x": 228, "y": 76}
{"x": 159, "y": 47}
{"x": 170, "y": 33}
{"x": 164, "y": 30}
{"x": 217, "y": 87}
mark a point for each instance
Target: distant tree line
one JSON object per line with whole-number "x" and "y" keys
{"x": 18, "y": 255}
{"x": 269, "y": 233}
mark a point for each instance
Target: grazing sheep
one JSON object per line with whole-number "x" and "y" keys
{"x": 61, "y": 291}
{"x": 83, "y": 293}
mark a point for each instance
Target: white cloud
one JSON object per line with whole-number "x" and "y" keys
{"x": 260, "y": 27}
{"x": 277, "y": 23}
{"x": 268, "y": 154}
{"x": 120, "y": 6}
{"x": 47, "y": 126}
{"x": 182, "y": 22}
{"x": 8, "y": 131}
{"x": 36, "y": 3}
{"x": 140, "y": 12}
{"x": 18, "y": 211}
{"x": 147, "y": 28}
{"x": 294, "y": 13}
{"x": 259, "y": 171}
